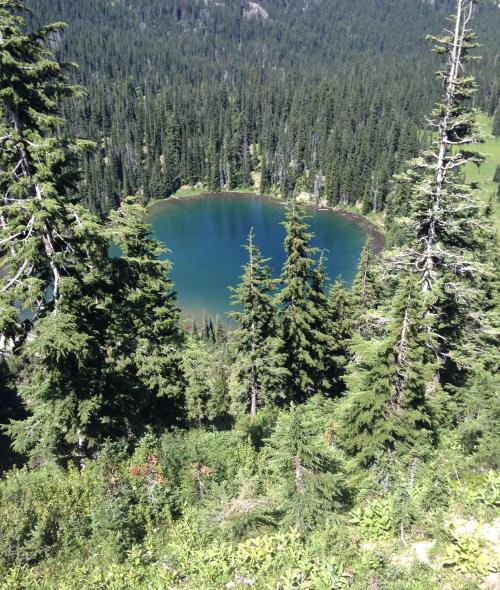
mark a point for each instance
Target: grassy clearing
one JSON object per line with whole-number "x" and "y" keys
{"x": 190, "y": 191}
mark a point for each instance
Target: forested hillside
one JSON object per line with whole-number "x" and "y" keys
{"x": 323, "y": 96}
{"x": 335, "y": 438}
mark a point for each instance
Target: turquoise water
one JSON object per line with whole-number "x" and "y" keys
{"x": 205, "y": 236}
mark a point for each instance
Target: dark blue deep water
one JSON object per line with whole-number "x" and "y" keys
{"x": 205, "y": 236}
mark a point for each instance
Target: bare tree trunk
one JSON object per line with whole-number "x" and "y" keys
{"x": 299, "y": 486}
{"x": 81, "y": 449}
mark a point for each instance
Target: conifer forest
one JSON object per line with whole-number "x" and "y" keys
{"x": 326, "y": 434}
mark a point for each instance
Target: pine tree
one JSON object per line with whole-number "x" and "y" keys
{"x": 447, "y": 225}
{"x": 56, "y": 251}
{"x": 366, "y": 291}
{"x": 304, "y": 339}
{"x": 330, "y": 361}
{"x": 391, "y": 397}
{"x": 258, "y": 374}
{"x": 144, "y": 335}
{"x": 307, "y": 471}
{"x": 340, "y": 328}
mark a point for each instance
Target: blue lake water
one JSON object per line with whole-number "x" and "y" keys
{"x": 205, "y": 236}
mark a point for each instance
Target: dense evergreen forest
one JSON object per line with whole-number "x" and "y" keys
{"x": 336, "y": 438}
{"x": 324, "y": 97}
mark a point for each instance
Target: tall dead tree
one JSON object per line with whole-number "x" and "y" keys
{"x": 449, "y": 233}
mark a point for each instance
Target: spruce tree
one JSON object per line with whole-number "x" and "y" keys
{"x": 144, "y": 339}
{"x": 306, "y": 470}
{"x": 366, "y": 291}
{"x": 304, "y": 338}
{"x": 258, "y": 373}
{"x": 56, "y": 251}
{"x": 446, "y": 224}
{"x": 391, "y": 397}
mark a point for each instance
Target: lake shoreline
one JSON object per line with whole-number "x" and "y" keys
{"x": 374, "y": 233}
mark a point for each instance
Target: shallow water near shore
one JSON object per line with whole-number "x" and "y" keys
{"x": 205, "y": 236}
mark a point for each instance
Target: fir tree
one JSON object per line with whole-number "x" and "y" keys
{"x": 388, "y": 408}
{"x": 206, "y": 373}
{"x": 258, "y": 374}
{"x": 56, "y": 251}
{"x": 478, "y": 416}
{"x": 213, "y": 173}
{"x": 264, "y": 183}
{"x": 305, "y": 340}
{"x": 447, "y": 226}
{"x": 330, "y": 361}
{"x": 366, "y": 291}
{"x": 340, "y": 328}
{"x": 144, "y": 334}
{"x": 196, "y": 365}
{"x": 307, "y": 470}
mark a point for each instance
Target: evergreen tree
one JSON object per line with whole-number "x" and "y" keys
{"x": 206, "y": 370}
{"x": 447, "y": 225}
{"x": 213, "y": 174}
{"x": 330, "y": 365}
{"x": 264, "y": 183}
{"x": 340, "y": 328}
{"x": 196, "y": 364}
{"x": 478, "y": 416}
{"x": 305, "y": 340}
{"x": 144, "y": 339}
{"x": 366, "y": 291}
{"x": 258, "y": 374}
{"x": 56, "y": 252}
{"x": 307, "y": 470}
{"x": 388, "y": 409}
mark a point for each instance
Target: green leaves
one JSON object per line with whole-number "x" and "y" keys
{"x": 470, "y": 554}
{"x": 374, "y": 520}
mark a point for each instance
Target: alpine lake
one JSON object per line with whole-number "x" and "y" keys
{"x": 205, "y": 236}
